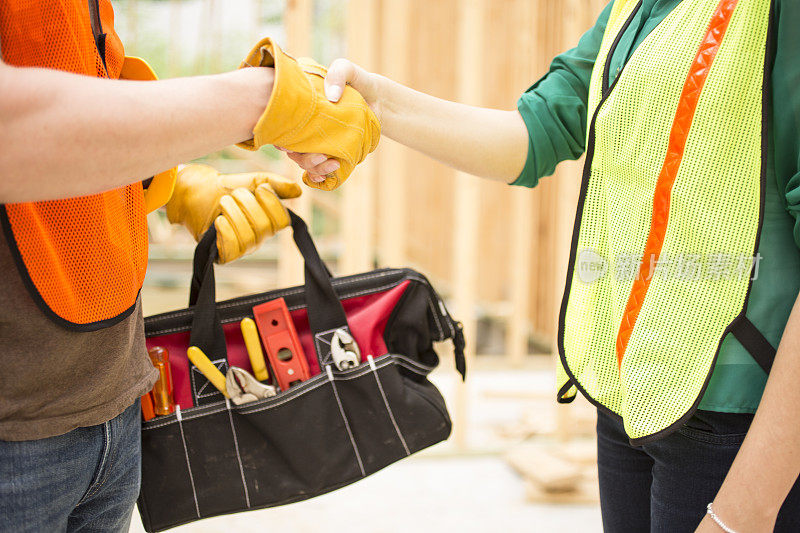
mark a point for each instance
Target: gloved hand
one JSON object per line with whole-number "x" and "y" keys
{"x": 245, "y": 208}
{"x": 300, "y": 118}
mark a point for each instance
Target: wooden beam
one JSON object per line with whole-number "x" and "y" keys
{"x": 299, "y": 24}
{"x": 392, "y": 157}
{"x": 358, "y": 224}
{"x": 521, "y": 222}
{"x": 467, "y": 201}
{"x": 520, "y": 275}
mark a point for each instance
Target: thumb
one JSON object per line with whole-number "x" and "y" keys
{"x": 340, "y": 73}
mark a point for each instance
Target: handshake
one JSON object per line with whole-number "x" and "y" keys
{"x": 299, "y": 119}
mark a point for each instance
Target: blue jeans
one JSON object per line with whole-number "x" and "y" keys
{"x": 86, "y": 480}
{"x": 665, "y": 486}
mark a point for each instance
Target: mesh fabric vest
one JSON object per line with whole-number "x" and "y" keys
{"x": 83, "y": 259}
{"x": 674, "y": 176}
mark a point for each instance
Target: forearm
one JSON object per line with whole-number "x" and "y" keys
{"x": 64, "y": 135}
{"x": 486, "y": 142}
{"x": 768, "y": 462}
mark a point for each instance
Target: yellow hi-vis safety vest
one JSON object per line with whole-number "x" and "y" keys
{"x": 674, "y": 182}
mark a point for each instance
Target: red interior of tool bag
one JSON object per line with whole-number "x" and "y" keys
{"x": 367, "y": 316}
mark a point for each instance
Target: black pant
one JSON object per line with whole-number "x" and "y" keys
{"x": 665, "y": 486}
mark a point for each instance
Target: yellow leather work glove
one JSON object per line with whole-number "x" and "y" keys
{"x": 300, "y": 118}
{"x": 245, "y": 208}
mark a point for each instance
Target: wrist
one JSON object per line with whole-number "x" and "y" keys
{"x": 745, "y": 517}
{"x": 369, "y": 86}
{"x": 250, "y": 96}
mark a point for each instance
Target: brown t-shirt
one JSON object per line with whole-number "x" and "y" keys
{"x": 54, "y": 380}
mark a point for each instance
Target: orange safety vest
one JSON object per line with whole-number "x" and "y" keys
{"x": 82, "y": 259}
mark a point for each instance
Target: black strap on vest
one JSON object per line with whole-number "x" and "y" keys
{"x": 97, "y": 31}
{"x": 754, "y": 342}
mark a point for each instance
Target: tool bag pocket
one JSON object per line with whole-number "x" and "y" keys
{"x": 212, "y": 457}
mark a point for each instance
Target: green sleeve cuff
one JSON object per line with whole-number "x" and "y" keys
{"x": 554, "y": 108}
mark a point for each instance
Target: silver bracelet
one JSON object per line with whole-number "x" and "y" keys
{"x": 710, "y": 512}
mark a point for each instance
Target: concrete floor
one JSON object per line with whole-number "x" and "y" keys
{"x": 429, "y": 493}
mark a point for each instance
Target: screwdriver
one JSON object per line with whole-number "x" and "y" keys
{"x": 163, "y": 402}
{"x": 211, "y": 372}
{"x": 147, "y": 407}
{"x": 253, "y": 344}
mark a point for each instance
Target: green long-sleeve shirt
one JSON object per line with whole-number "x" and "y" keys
{"x": 555, "y": 112}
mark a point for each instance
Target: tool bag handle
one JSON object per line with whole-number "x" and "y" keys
{"x": 325, "y": 311}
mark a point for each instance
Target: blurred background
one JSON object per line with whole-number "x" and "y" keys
{"x": 516, "y": 461}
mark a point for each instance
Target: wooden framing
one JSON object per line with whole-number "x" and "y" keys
{"x": 299, "y": 31}
{"x": 359, "y": 197}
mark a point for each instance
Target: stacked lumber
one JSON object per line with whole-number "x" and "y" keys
{"x": 556, "y": 472}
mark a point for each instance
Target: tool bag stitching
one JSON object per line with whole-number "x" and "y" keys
{"x": 189, "y": 467}
{"x": 258, "y": 406}
{"x": 207, "y": 385}
{"x": 316, "y": 385}
{"x": 318, "y": 380}
{"x": 332, "y": 380}
{"x": 180, "y": 314}
{"x": 284, "y": 292}
{"x": 288, "y": 292}
{"x": 238, "y": 455}
{"x": 435, "y": 314}
{"x": 318, "y": 348}
{"x": 386, "y": 403}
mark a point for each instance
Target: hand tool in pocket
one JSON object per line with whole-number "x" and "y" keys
{"x": 244, "y": 388}
{"x": 211, "y": 372}
{"x": 147, "y": 407}
{"x": 344, "y": 350}
{"x": 282, "y": 343}
{"x": 163, "y": 403}
{"x": 254, "y": 351}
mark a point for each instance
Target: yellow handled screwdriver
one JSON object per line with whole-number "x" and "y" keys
{"x": 253, "y": 344}
{"x": 211, "y": 372}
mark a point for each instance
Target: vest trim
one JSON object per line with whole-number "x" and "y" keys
{"x": 590, "y": 149}
{"x": 97, "y": 31}
{"x": 607, "y": 67}
{"x": 36, "y": 296}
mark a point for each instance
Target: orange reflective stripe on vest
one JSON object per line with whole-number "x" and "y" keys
{"x": 83, "y": 259}
{"x": 675, "y": 150}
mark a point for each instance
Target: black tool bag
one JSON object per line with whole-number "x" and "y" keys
{"x": 212, "y": 457}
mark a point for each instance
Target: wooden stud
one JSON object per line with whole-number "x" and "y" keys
{"x": 467, "y": 203}
{"x": 392, "y": 160}
{"x": 521, "y": 223}
{"x": 299, "y": 29}
{"x": 358, "y": 222}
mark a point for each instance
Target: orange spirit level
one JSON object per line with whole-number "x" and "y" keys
{"x": 281, "y": 342}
